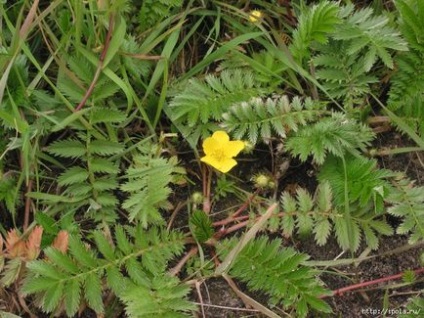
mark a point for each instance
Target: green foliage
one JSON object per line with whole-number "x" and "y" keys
{"x": 16, "y": 82}
{"x": 320, "y": 215}
{"x": 8, "y": 193}
{"x": 80, "y": 169}
{"x": 201, "y": 102}
{"x": 407, "y": 88}
{"x": 201, "y": 226}
{"x": 344, "y": 45}
{"x": 267, "y": 67}
{"x": 336, "y": 135}
{"x": 307, "y": 214}
{"x": 154, "y": 11}
{"x": 359, "y": 177}
{"x": 408, "y": 203}
{"x": 278, "y": 272}
{"x": 90, "y": 182}
{"x": 360, "y": 190}
{"x": 164, "y": 297}
{"x": 224, "y": 187}
{"x": 75, "y": 86}
{"x": 148, "y": 180}
{"x": 314, "y": 25}
{"x": 259, "y": 118}
{"x": 414, "y": 307}
{"x": 137, "y": 259}
{"x": 341, "y": 74}
{"x": 136, "y": 67}
{"x": 369, "y": 35}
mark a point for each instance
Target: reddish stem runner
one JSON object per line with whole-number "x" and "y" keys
{"x": 343, "y": 290}
{"x": 234, "y": 217}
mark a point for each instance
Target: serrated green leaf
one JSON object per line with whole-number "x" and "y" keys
{"x": 136, "y": 272}
{"x": 381, "y": 227}
{"x": 107, "y": 115}
{"x": 72, "y": 296}
{"x": 73, "y": 175}
{"x": 48, "y": 224}
{"x": 81, "y": 253}
{"x": 38, "y": 284}
{"x": 45, "y": 269}
{"x": 54, "y": 198}
{"x": 52, "y": 297}
{"x": 70, "y": 119}
{"x": 115, "y": 280}
{"x": 93, "y": 292}
{"x": 322, "y": 230}
{"x": 201, "y": 226}
{"x": 370, "y": 237}
{"x": 122, "y": 241}
{"x": 102, "y": 165}
{"x": 69, "y": 148}
{"x": 105, "y": 148}
{"x": 104, "y": 246}
{"x": 61, "y": 260}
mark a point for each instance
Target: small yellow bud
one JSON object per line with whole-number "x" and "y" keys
{"x": 197, "y": 198}
{"x": 255, "y": 16}
{"x": 248, "y": 147}
{"x": 262, "y": 181}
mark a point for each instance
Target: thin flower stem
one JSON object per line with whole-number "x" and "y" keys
{"x": 393, "y": 151}
{"x": 230, "y": 219}
{"x": 177, "y": 268}
{"x": 207, "y": 180}
{"x": 234, "y": 216}
{"x": 27, "y": 206}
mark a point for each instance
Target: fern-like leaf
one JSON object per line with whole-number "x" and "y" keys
{"x": 201, "y": 226}
{"x": 194, "y": 109}
{"x": 408, "y": 203}
{"x": 80, "y": 274}
{"x": 258, "y": 118}
{"x": 320, "y": 216}
{"x": 341, "y": 74}
{"x": 164, "y": 297}
{"x": 363, "y": 179}
{"x": 371, "y": 34}
{"x": 68, "y": 148}
{"x": 315, "y": 24}
{"x": 407, "y": 89}
{"x": 265, "y": 266}
{"x": 332, "y": 135}
{"x": 148, "y": 185}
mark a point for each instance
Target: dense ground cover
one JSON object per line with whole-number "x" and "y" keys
{"x": 211, "y": 159}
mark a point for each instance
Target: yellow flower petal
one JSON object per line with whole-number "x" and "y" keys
{"x": 221, "y": 165}
{"x": 210, "y": 145}
{"x": 219, "y": 151}
{"x": 210, "y": 160}
{"x": 221, "y": 137}
{"x": 226, "y": 165}
{"x": 233, "y": 148}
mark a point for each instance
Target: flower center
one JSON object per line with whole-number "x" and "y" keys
{"x": 219, "y": 154}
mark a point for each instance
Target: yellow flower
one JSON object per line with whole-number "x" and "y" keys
{"x": 219, "y": 151}
{"x": 255, "y": 16}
